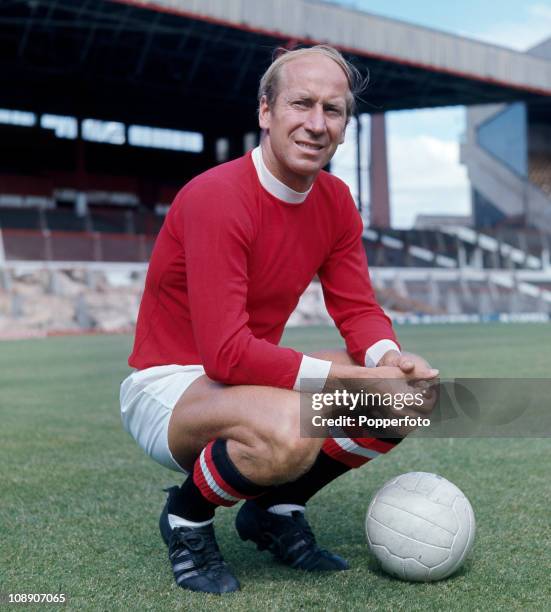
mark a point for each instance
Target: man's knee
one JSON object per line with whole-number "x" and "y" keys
{"x": 286, "y": 454}
{"x": 293, "y": 457}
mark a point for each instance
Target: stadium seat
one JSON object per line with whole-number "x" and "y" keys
{"x": 20, "y": 218}
{"x": 115, "y": 221}
{"x": 148, "y": 223}
{"x": 64, "y": 220}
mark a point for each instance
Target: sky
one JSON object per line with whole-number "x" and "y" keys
{"x": 423, "y": 146}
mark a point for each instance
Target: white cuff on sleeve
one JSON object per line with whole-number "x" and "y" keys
{"x": 312, "y": 374}
{"x": 375, "y": 352}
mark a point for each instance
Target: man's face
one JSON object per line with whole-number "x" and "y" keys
{"x": 307, "y": 122}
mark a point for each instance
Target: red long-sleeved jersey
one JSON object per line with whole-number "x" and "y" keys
{"x": 229, "y": 266}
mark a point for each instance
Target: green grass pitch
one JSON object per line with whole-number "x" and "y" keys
{"x": 80, "y": 501}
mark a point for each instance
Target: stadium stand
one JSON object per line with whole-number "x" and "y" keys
{"x": 64, "y": 220}
{"x": 455, "y": 247}
{"x": 24, "y": 245}
{"x": 78, "y": 213}
{"x": 104, "y": 220}
{"x": 25, "y": 190}
{"x": 111, "y": 220}
{"x": 20, "y": 218}
{"x": 71, "y": 247}
{"x": 454, "y": 272}
{"x": 147, "y": 223}
{"x": 451, "y": 247}
{"x": 122, "y": 248}
{"x": 540, "y": 171}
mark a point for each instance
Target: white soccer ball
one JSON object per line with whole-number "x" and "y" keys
{"x": 420, "y": 527}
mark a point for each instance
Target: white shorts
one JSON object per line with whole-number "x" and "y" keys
{"x": 147, "y": 400}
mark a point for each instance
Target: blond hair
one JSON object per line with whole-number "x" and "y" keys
{"x": 270, "y": 81}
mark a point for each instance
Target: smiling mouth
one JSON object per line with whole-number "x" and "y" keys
{"x": 306, "y": 146}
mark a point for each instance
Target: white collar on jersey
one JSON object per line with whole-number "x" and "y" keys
{"x": 274, "y": 186}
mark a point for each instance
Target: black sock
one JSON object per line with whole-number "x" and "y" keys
{"x": 324, "y": 470}
{"x": 188, "y": 502}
